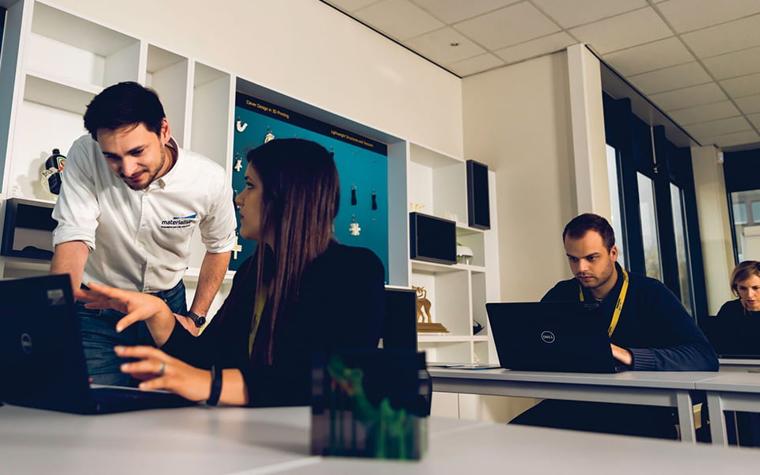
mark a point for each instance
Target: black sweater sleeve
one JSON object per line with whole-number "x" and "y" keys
{"x": 686, "y": 348}
{"x": 341, "y": 305}
{"x": 210, "y": 346}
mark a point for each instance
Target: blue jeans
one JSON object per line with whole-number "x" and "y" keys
{"x": 99, "y": 337}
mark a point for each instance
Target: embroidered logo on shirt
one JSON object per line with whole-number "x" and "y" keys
{"x": 179, "y": 221}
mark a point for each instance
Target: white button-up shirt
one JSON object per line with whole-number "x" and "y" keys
{"x": 140, "y": 240}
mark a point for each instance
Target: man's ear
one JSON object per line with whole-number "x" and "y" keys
{"x": 166, "y": 132}
{"x": 614, "y": 253}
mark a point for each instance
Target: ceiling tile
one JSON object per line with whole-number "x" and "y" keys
{"x": 719, "y": 127}
{"x": 452, "y": 11}
{"x": 749, "y": 104}
{"x": 399, "y": 19}
{"x": 755, "y": 119}
{"x": 687, "y": 15}
{"x": 729, "y": 140}
{"x": 742, "y": 86}
{"x": 689, "y": 97}
{"x": 623, "y": 31}
{"x": 475, "y": 65}
{"x": 437, "y": 46}
{"x": 577, "y": 12}
{"x": 704, "y": 113}
{"x": 674, "y": 77}
{"x": 351, "y": 5}
{"x": 649, "y": 57}
{"x": 508, "y": 26}
{"x": 734, "y": 64}
{"x": 530, "y": 49}
{"x": 733, "y": 36}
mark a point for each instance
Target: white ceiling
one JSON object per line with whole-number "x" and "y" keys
{"x": 697, "y": 60}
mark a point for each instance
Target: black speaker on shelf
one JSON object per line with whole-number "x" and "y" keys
{"x": 478, "y": 209}
{"x": 27, "y": 230}
{"x": 432, "y": 239}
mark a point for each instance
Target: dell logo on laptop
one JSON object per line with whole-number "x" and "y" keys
{"x": 26, "y": 343}
{"x": 547, "y": 336}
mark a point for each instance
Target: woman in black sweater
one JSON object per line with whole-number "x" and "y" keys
{"x": 745, "y": 284}
{"x": 301, "y": 293}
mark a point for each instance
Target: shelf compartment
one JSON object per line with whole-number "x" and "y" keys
{"x": 434, "y": 268}
{"x": 64, "y": 45}
{"x": 447, "y": 293}
{"x": 58, "y": 93}
{"x": 437, "y": 184}
{"x": 454, "y": 352}
{"x": 168, "y": 74}
{"x": 211, "y": 114}
{"x": 48, "y": 117}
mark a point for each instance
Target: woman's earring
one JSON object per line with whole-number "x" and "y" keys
{"x": 353, "y": 195}
{"x": 354, "y": 229}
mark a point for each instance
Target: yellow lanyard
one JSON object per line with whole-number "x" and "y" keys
{"x": 261, "y": 301}
{"x": 618, "y": 305}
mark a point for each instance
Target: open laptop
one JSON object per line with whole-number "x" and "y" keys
{"x": 41, "y": 358}
{"x": 731, "y": 337}
{"x": 551, "y": 337}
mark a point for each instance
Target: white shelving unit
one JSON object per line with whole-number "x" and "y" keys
{"x": 58, "y": 62}
{"x": 437, "y": 186}
{"x": 54, "y": 62}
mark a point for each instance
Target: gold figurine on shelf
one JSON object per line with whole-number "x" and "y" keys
{"x": 424, "y": 318}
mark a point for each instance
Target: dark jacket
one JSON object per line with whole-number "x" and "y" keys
{"x": 653, "y": 325}
{"x": 734, "y": 309}
{"x": 340, "y": 305}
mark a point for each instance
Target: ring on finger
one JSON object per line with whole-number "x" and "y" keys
{"x": 162, "y": 369}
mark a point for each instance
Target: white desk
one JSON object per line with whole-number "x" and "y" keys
{"x": 258, "y": 441}
{"x": 730, "y": 391}
{"x": 183, "y": 441}
{"x": 650, "y": 388}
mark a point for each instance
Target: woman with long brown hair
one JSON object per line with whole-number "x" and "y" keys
{"x": 300, "y": 293}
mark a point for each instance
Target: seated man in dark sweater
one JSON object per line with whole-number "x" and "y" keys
{"x": 649, "y": 330}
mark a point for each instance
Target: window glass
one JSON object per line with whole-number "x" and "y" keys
{"x": 682, "y": 250}
{"x": 616, "y": 209}
{"x": 746, "y": 225}
{"x": 652, "y": 262}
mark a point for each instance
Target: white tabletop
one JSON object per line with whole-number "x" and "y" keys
{"x": 638, "y": 379}
{"x": 251, "y": 441}
{"x": 184, "y": 441}
{"x": 747, "y": 381}
{"x": 503, "y": 449}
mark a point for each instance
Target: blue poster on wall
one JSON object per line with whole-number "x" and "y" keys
{"x": 362, "y": 167}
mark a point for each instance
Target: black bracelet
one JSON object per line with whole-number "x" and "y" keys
{"x": 216, "y": 386}
{"x": 199, "y": 320}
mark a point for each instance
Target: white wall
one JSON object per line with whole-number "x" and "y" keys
{"x": 304, "y": 49}
{"x": 517, "y": 120}
{"x": 714, "y": 225}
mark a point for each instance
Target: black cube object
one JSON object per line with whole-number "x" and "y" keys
{"x": 478, "y": 209}
{"x": 432, "y": 239}
{"x": 400, "y": 325}
{"x": 27, "y": 230}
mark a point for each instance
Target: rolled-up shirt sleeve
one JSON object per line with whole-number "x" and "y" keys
{"x": 77, "y": 209}
{"x": 218, "y": 226}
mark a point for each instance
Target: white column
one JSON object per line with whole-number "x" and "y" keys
{"x": 587, "y": 127}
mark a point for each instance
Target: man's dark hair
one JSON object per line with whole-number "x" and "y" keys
{"x": 580, "y": 225}
{"x": 123, "y": 104}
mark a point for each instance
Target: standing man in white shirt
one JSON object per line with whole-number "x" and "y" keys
{"x": 129, "y": 204}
